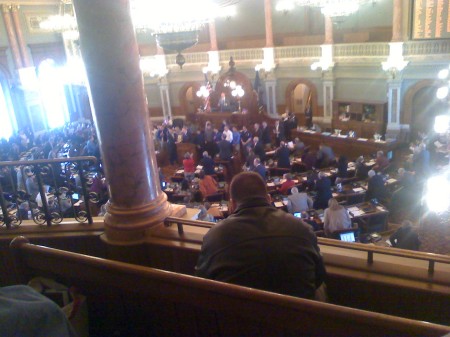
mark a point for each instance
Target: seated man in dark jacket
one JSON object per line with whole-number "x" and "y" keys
{"x": 260, "y": 246}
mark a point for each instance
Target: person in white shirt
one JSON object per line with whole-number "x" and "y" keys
{"x": 335, "y": 218}
{"x": 228, "y": 133}
{"x": 298, "y": 202}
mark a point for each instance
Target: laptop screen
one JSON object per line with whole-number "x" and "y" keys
{"x": 298, "y": 214}
{"x": 348, "y": 237}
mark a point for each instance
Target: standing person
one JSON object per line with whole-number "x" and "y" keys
{"x": 208, "y": 164}
{"x": 172, "y": 147}
{"x": 342, "y": 167}
{"x": 225, "y": 149}
{"x": 236, "y": 250}
{"x": 259, "y": 168}
{"x": 323, "y": 189}
{"x": 376, "y": 188}
{"x": 236, "y": 139}
{"x": 246, "y": 137}
{"x": 189, "y": 166}
{"x": 282, "y": 154}
{"x": 258, "y": 149}
{"x": 266, "y": 135}
{"x": 279, "y": 132}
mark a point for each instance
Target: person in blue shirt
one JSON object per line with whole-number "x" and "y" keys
{"x": 259, "y": 168}
{"x": 236, "y": 139}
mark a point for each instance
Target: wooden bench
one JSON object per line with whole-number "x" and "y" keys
{"x": 131, "y": 300}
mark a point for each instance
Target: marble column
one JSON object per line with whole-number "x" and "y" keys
{"x": 15, "y": 53}
{"x": 328, "y": 95}
{"x": 397, "y": 32}
{"x": 271, "y": 96}
{"x": 268, "y": 23}
{"x": 115, "y": 84}
{"x": 328, "y": 30}
{"x": 213, "y": 35}
{"x": 26, "y": 59}
{"x": 394, "y": 106}
{"x": 165, "y": 98}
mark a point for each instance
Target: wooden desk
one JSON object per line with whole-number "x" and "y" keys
{"x": 350, "y": 147}
{"x": 370, "y": 218}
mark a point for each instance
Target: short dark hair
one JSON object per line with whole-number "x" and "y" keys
{"x": 247, "y": 185}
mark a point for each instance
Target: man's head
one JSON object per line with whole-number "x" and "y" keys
{"x": 256, "y": 161}
{"x": 226, "y": 128}
{"x": 256, "y": 126}
{"x": 371, "y": 173}
{"x": 380, "y": 154}
{"x": 264, "y": 124}
{"x": 205, "y": 154}
{"x": 287, "y": 176}
{"x": 245, "y": 186}
{"x": 294, "y": 190}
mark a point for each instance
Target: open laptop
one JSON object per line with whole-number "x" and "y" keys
{"x": 347, "y": 237}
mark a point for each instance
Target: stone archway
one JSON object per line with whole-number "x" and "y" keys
{"x": 289, "y": 94}
{"x": 192, "y": 103}
{"x": 421, "y": 106}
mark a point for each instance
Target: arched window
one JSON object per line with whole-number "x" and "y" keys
{"x": 7, "y": 117}
{"x": 51, "y": 87}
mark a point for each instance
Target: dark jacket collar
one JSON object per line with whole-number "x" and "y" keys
{"x": 253, "y": 202}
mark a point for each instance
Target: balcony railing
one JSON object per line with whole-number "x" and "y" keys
{"x": 343, "y": 52}
{"x": 47, "y": 191}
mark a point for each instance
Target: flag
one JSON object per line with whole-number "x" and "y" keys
{"x": 257, "y": 86}
{"x": 207, "y": 107}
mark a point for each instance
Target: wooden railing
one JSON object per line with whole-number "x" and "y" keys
{"x": 371, "y": 250}
{"x": 126, "y": 299}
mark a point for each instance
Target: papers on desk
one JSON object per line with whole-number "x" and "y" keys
{"x": 215, "y": 205}
{"x": 304, "y": 178}
{"x": 179, "y": 172}
{"x": 370, "y": 162}
{"x": 327, "y": 174}
{"x": 168, "y": 190}
{"x": 199, "y": 167}
{"x": 334, "y": 195}
{"x": 362, "y": 139}
{"x": 391, "y": 181}
{"x": 342, "y": 136}
{"x": 290, "y": 145}
{"x": 224, "y": 208}
{"x": 282, "y": 181}
{"x": 295, "y": 181}
{"x": 270, "y": 184}
{"x": 326, "y": 133}
{"x": 353, "y": 209}
{"x": 358, "y": 189}
{"x": 381, "y": 209}
{"x": 358, "y": 212}
{"x": 278, "y": 204}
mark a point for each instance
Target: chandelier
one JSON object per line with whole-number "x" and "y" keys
{"x": 337, "y": 10}
{"x": 64, "y": 21}
{"x": 176, "y": 23}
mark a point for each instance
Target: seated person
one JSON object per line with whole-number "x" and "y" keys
{"x": 208, "y": 164}
{"x": 287, "y": 185}
{"x": 189, "y": 166}
{"x": 259, "y": 168}
{"x": 298, "y": 202}
{"x": 207, "y": 184}
{"x": 335, "y": 218}
{"x": 405, "y": 237}
{"x": 282, "y": 154}
{"x": 236, "y": 249}
{"x": 323, "y": 189}
{"x": 376, "y": 188}
{"x": 381, "y": 162}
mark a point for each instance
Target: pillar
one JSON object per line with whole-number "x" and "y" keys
{"x": 15, "y": 53}
{"x": 268, "y": 23}
{"x": 165, "y": 98}
{"x": 394, "y": 106}
{"x": 397, "y": 31}
{"x": 213, "y": 35}
{"x": 328, "y": 95}
{"x": 271, "y": 100}
{"x": 328, "y": 30}
{"x": 26, "y": 59}
{"x": 116, "y": 88}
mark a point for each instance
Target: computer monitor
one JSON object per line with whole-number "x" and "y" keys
{"x": 347, "y": 237}
{"x": 75, "y": 196}
{"x": 298, "y": 214}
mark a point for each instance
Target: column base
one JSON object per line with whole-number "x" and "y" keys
{"x": 130, "y": 235}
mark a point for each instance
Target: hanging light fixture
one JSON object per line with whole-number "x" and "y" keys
{"x": 176, "y": 24}
{"x": 64, "y": 21}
